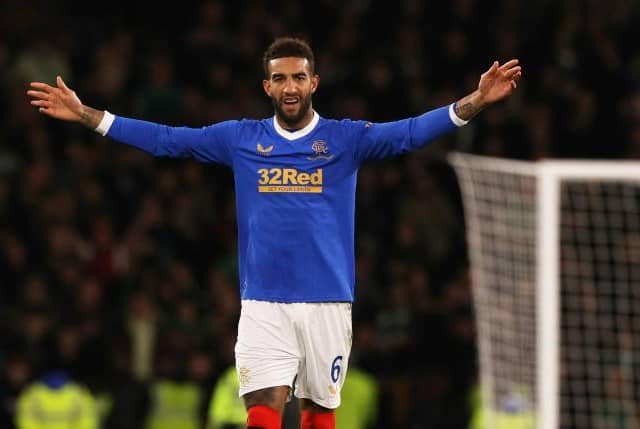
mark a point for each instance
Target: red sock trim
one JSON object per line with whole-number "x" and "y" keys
{"x": 261, "y": 416}
{"x": 306, "y": 419}
{"x": 311, "y": 420}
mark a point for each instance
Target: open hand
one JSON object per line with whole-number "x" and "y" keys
{"x": 499, "y": 81}
{"x": 60, "y": 103}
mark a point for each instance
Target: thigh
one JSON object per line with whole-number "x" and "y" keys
{"x": 309, "y": 405}
{"x": 267, "y": 352}
{"x": 273, "y": 397}
{"x": 326, "y": 337}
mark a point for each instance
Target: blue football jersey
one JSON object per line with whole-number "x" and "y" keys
{"x": 295, "y": 191}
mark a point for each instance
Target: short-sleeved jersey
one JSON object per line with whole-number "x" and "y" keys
{"x": 295, "y": 192}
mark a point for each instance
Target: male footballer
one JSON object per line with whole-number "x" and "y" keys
{"x": 295, "y": 183}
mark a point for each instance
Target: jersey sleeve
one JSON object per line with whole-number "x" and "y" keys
{"x": 383, "y": 140}
{"x": 212, "y": 143}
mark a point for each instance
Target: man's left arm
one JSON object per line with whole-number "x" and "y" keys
{"x": 495, "y": 84}
{"x": 381, "y": 140}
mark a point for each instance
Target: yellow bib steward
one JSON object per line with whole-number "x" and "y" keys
{"x": 174, "y": 405}
{"x": 70, "y": 406}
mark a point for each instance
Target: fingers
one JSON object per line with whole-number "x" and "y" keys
{"x": 42, "y": 86}
{"x": 41, "y": 103}
{"x": 515, "y": 78}
{"x": 42, "y": 99}
{"x": 492, "y": 70}
{"x": 61, "y": 83}
{"x": 509, "y": 64}
{"x": 38, "y": 94}
{"x": 512, "y": 72}
{"x": 46, "y": 111}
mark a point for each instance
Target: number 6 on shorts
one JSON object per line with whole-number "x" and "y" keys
{"x": 335, "y": 369}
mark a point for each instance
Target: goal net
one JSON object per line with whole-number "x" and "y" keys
{"x": 555, "y": 261}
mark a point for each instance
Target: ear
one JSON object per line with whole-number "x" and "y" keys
{"x": 266, "y": 85}
{"x": 315, "y": 81}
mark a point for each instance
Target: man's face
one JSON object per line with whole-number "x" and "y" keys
{"x": 290, "y": 85}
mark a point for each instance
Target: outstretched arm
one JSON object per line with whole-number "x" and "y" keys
{"x": 495, "y": 84}
{"x": 61, "y": 102}
{"x": 206, "y": 144}
{"x": 393, "y": 138}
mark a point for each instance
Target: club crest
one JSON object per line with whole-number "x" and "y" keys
{"x": 321, "y": 150}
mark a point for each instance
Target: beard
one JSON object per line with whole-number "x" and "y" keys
{"x": 292, "y": 119}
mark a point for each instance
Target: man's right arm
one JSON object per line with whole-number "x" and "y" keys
{"x": 61, "y": 102}
{"x": 90, "y": 117}
{"x": 207, "y": 144}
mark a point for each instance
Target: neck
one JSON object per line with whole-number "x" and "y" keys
{"x": 303, "y": 122}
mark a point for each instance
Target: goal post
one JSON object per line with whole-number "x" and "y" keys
{"x": 554, "y": 248}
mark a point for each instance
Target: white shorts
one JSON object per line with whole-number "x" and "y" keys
{"x": 304, "y": 346}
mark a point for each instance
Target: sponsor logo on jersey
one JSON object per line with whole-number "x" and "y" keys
{"x": 321, "y": 150}
{"x": 289, "y": 180}
{"x": 332, "y": 390}
{"x": 263, "y": 151}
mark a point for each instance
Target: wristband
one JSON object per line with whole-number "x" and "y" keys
{"x": 455, "y": 118}
{"x": 105, "y": 123}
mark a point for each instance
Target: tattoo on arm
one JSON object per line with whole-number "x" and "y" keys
{"x": 90, "y": 117}
{"x": 468, "y": 107}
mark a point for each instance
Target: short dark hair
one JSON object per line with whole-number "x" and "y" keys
{"x": 288, "y": 47}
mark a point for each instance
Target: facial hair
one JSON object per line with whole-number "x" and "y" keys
{"x": 292, "y": 120}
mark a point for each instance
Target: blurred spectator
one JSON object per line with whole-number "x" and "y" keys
{"x": 226, "y": 408}
{"x": 18, "y": 373}
{"x": 175, "y": 400}
{"x": 142, "y": 328}
{"x": 42, "y": 60}
{"x": 359, "y": 407}
{"x": 56, "y": 401}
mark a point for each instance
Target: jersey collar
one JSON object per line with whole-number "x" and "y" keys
{"x": 298, "y": 133}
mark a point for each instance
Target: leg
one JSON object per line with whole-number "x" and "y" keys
{"x": 267, "y": 359}
{"x": 326, "y": 333}
{"x": 272, "y": 397}
{"x": 309, "y": 405}
{"x": 265, "y": 407}
{"x": 327, "y": 342}
{"x": 315, "y": 416}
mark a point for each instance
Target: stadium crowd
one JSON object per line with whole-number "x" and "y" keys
{"x": 120, "y": 268}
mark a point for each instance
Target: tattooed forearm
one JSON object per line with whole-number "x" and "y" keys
{"x": 90, "y": 117}
{"x": 469, "y": 106}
